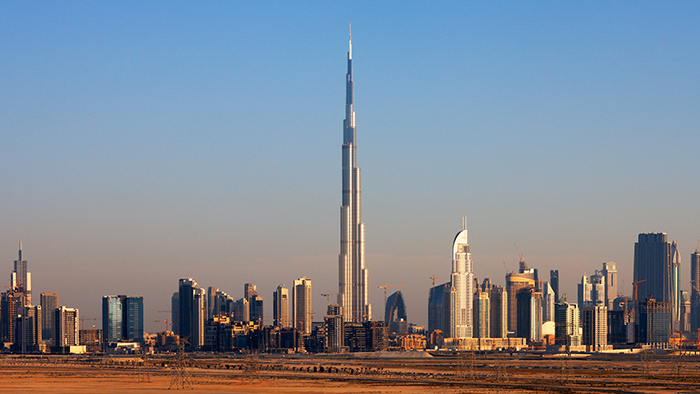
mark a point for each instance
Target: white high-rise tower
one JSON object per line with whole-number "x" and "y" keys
{"x": 462, "y": 279}
{"x": 353, "y": 291}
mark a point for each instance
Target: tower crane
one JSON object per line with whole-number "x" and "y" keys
{"x": 523, "y": 265}
{"x": 435, "y": 277}
{"x": 328, "y": 296}
{"x": 166, "y": 321}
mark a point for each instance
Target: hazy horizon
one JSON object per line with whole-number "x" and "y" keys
{"x": 147, "y": 142}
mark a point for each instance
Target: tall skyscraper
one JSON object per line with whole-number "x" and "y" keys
{"x": 439, "y": 308}
{"x": 566, "y": 324}
{"x": 515, "y": 282}
{"x": 49, "y": 302}
{"x": 482, "y": 312}
{"x": 66, "y": 322}
{"x": 301, "y": 305}
{"x": 554, "y": 282}
{"x": 122, "y": 318}
{"x": 695, "y": 291}
{"x": 656, "y": 262}
{"x": 610, "y": 273}
{"x": 498, "y": 300}
{"x": 353, "y": 286}
{"x": 280, "y": 306}
{"x": 21, "y": 280}
{"x": 112, "y": 315}
{"x": 595, "y": 326}
{"x": 463, "y": 282}
{"x": 192, "y": 312}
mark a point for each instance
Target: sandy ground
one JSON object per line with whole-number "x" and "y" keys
{"x": 457, "y": 374}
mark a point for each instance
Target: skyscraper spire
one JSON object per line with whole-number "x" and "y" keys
{"x": 20, "y": 250}
{"x": 353, "y": 286}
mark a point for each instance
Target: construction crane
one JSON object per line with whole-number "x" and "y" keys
{"x": 522, "y": 264}
{"x": 697, "y": 246}
{"x": 328, "y": 296}
{"x": 635, "y": 290}
{"x": 435, "y": 277}
{"x": 82, "y": 321}
{"x": 166, "y": 321}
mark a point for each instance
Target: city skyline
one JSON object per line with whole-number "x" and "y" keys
{"x": 145, "y": 145}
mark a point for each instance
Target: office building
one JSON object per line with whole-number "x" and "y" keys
{"x": 302, "y": 311}
{"x": 620, "y": 326}
{"x": 609, "y": 272}
{"x": 112, "y": 318}
{"x": 255, "y": 303}
{"x": 175, "y": 312}
{"x": 591, "y": 290}
{"x": 498, "y": 304}
{"x": 654, "y": 321}
{"x": 685, "y": 311}
{"x": 241, "y": 310}
{"x": 439, "y": 308}
{"x": 122, "y": 319}
{"x": 554, "y": 282}
{"x": 353, "y": 286}
{"x": 66, "y": 321}
{"x": 529, "y": 310}
{"x": 21, "y": 280}
{"x": 482, "y": 318}
{"x": 548, "y": 301}
{"x": 462, "y": 280}
{"x": 695, "y": 291}
{"x": 28, "y": 330}
{"x": 594, "y": 320}
{"x": 49, "y": 302}
{"x": 566, "y": 324}
{"x": 515, "y": 282}
{"x": 192, "y": 313}
{"x": 654, "y": 262}
{"x": 280, "y": 307}
{"x": 335, "y": 329}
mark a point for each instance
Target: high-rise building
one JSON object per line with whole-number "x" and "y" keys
{"x": 463, "y": 282}
{"x": 529, "y": 309}
{"x": 395, "y": 314}
{"x": 498, "y": 300}
{"x": 548, "y": 301}
{"x": 280, "y": 306}
{"x": 112, "y": 318}
{"x": 255, "y": 302}
{"x": 28, "y": 329}
{"x": 554, "y": 282}
{"x": 49, "y": 302}
{"x": 439, "y": 308}
{"x": 353, "y": 286}
{"x": 695, "y": 291}
{"x": 595, "y": 327}
{"x": 676, "y": 301}
{"x": 609, "y": 271}
{"x": 175, "y": 312}
{"x": 21, "y": 280}
{"x": 301, "y": 305}
{"x": 122, "y": 318}
{"x": 685, "y": 311}
{"x": 515, "y": 282}
{"x": 192, "y": 312}
{"x": 66, "y": 322}
{"x": 241, "y": 310}
{"x": 591, "y": 290}
{"x": 482, "y": 319}
{"x": 654, "y": 321}
{"x": 335, "y": 332}
{"x": 133, "y": 323}
{"x": 566, "y": 324}
{"x": 654, "y": 260}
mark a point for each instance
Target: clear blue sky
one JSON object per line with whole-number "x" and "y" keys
{"x": 143, "y": 142}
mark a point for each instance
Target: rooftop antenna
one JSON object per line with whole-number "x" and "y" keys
{"x": 464, "y": 222}
{"x": 697, "y": 246}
